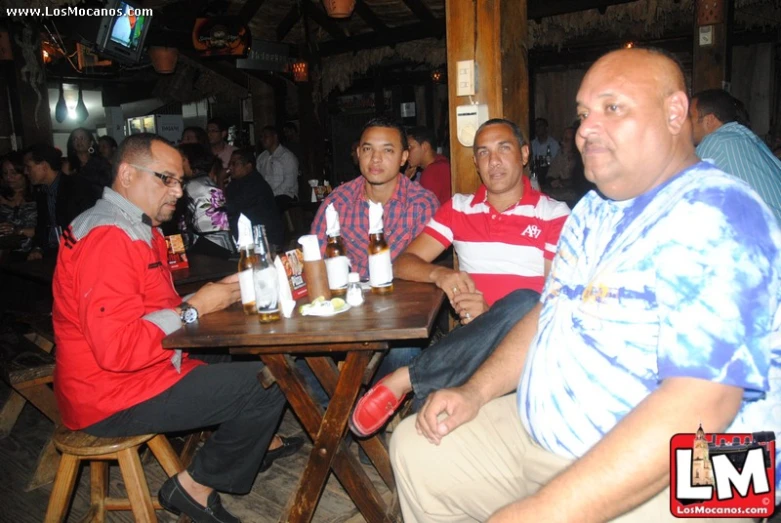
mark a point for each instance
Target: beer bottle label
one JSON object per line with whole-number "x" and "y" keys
{"x": 246, "y": 286}
{"x": 337, "y": 269}
{"x": 380, "y": 269}
{"x": 266, "y": 290}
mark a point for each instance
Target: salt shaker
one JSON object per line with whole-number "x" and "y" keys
{"x": 354, "y": 290}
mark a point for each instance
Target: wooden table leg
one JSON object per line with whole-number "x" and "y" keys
{"x": 329, "y": 451}
{"x": 328, "y": 374}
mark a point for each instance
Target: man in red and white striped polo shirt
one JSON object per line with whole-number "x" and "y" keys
{"x": 505, "y": 236}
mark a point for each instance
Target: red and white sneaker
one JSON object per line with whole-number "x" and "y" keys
{"x": 373, "y": 410}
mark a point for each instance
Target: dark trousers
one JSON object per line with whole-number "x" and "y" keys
{"x": 284, "y": 202}
{"x": 224, "y": 394}
{"x": 452, "y": 361}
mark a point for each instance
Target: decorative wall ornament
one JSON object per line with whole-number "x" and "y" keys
{"x": 31, "y": 72}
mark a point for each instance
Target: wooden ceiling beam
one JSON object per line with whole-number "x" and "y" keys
{"x": 323, "y": 20}
{"x": 229, "y": 72}
{"x": 537, "y": 10}
{"x": 368, "y": 16}
{"x": 249, "y": 10}
{"x": 286, "y": 25}
{"x": 406, "y": 33}
{"x": 420, "y": 10}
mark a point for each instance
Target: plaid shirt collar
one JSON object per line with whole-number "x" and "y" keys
{"x": 399, "y": 193}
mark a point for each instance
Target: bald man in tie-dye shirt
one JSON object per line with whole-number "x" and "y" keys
{"x": 660, "y": 313}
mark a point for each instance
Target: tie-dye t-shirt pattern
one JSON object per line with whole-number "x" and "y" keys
{"x": 681, "y": 281}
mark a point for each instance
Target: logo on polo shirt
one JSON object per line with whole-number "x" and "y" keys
{"x": 532, "y": 231}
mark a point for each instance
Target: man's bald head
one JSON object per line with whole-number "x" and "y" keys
{"x": 635, "y": 132}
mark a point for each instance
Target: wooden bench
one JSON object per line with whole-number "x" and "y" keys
{"x": 29, "y": 371}
{"x": 79, "y": 446}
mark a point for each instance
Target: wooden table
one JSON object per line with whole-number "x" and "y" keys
{"x": 406, "y": 314}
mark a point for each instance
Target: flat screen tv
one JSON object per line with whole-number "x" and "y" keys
{"x": 121, "y": 37}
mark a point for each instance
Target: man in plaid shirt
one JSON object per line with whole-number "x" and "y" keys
{"x": 407, "y": 207}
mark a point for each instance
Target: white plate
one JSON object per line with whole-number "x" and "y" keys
{"x": 323, "y": 312}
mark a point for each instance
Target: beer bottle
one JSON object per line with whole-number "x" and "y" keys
{"x": 247, "y": 262}
{"x": 266, "y": 282}
{"x": 337, "y": 265}
{"x": 380, "y": 267}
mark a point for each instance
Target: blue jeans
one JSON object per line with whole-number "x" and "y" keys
{"x": 394, "y": 359}
{"x": 452, "y": 361}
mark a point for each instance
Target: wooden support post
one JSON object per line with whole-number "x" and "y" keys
{"x": 493, "y": 33}
{"x": 712, "y": 50}
{"x": 311, "y": 136}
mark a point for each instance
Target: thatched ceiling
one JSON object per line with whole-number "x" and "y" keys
{"x": 414, "y": 30}
{"x": 288, "y": 20}
{"x": 391, "y": 13}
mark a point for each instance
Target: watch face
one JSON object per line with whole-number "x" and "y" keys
{"x": 190, "y": 315}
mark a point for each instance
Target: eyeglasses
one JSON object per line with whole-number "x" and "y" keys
{"x": 168, "y": 180}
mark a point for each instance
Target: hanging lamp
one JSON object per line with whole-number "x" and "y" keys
{"x": 81, "y": 108}
{"x": 61, "y": 109}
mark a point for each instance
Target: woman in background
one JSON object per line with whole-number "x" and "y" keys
{"x": 80, "y": 148}
{"x": 18, "y": 212}
{"x": 107, "y": 146}
{"x": 205, "y": 214}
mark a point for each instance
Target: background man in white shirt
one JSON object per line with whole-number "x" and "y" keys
{"x": 279, "y": 166}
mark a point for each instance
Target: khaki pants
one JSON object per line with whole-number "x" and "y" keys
{"x": 483, "y": 466}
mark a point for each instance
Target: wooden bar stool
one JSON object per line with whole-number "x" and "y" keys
{"x": 79, "y": 446}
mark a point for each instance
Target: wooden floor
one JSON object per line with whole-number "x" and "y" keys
{"x": 19, "y": 451}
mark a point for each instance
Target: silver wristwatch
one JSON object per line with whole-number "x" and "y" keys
{"x": 189, "y": 313}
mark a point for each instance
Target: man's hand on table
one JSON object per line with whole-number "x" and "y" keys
{"x": 460, "y": 405}
{"x": 216, "y": 296}
{"x": 35, "y": 254}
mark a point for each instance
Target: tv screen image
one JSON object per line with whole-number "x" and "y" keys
{"x": 128, "y": 29}
{"x": 121, "y": 37}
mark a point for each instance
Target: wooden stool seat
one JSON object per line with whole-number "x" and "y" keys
{"x": 78, "y": 446}
{"x": 28, "y": 369}
{"x": 23, "y": 361}
{"x": 82, "y": 444}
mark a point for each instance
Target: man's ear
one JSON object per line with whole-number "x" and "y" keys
{"x": 677, "y": 110}
{"x": 124, "y": 175}
{"x": 404, "y": 157}
{"x": 711, "y": 122}
{"x": 525, "y": 154}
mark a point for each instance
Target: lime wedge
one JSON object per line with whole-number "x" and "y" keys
{"x": 338, "y": 304}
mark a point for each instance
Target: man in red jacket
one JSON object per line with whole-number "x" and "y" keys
{"x": 114, "y": 302}
{"x": 436, "y": 169}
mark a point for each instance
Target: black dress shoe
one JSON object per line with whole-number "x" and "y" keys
{"x": 289, "y": 447}
{"x": 174, "y": 498}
